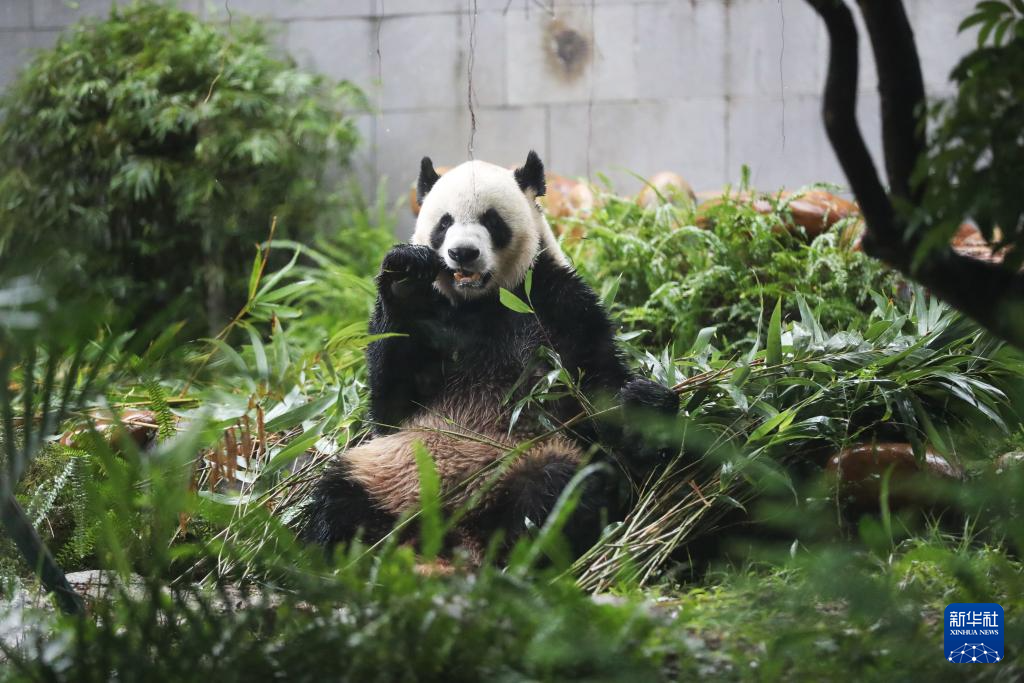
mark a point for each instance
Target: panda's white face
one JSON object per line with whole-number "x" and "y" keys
{"x": 484, "y": 222}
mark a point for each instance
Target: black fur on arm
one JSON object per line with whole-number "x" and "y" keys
{"x": 405, "y": 297}
{"x": 390, "y": 364}
{"x": 579, "y": 327}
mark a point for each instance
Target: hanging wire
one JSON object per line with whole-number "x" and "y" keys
{"x": 380, "y": 59}
{"x": 782, "y": 79}
{"x": 380, "y": 129}
{"x": 593, "y": 81}
{"x": 470, "y": 93}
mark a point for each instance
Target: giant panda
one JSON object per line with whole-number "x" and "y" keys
{"x": 451, "y": 370}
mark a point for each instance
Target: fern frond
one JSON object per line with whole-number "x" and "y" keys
{"x": 165, "y": 420}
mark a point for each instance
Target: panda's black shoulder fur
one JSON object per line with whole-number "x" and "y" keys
{"x": 483, "y": 341}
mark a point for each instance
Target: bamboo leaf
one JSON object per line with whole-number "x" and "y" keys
{"x": 230, "y": 355}
{"x": 259, "y": 352}
{"x": 773, "y": 349}
{"x": 294, "y": 449}
{"x": 970, "y": 21}
{"x": 779, "y": 422}
{"x": 929, "y": 428}
{"x": 513, "y": 302}
{"x": 277, "y": 276}
{"x": 609, "y": 291}
{"x": 254, "y": 274}
{"x": 431, "y": 522}
{"x": 809, "y": 321}
{"x": 298, "y": 415}
{"x": 703, "y": 339}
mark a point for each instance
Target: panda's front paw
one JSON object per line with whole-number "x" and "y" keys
{"x": 647, "y": 394}
{"x": 407, "y": 269}
{"x": 649, "y": 427}
{"x": 415, "y": 261}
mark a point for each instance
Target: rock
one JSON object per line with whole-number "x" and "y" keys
{"x": 859, "y": 469}
{"x": 100, "y": 585}
{"x": 707, "y": 201}
{"x": 138, "y": 425}
{"x": 852, "y": 236}
{"x": 97, "y": 584}
{"x": 968, "y": 241}
{"x": 814, "y": 210}
{"x": 1009, "y": 461}
{"x": 668, "y": 187}
{"x": 817, "y": 210}
{"x": 566, "y": 197}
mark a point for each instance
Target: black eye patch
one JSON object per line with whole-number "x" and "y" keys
{"x": 437, "y": 234}
{"x": 501, "y": 235}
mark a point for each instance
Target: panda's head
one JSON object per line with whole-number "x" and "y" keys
{"x": 484, "y": 222}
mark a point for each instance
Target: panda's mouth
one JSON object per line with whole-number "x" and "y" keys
{"x": 471, "y": 280}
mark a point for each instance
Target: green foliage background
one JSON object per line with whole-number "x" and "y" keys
{"x": 661, "y": 273}
{"x": 976, "y": 146}
{"x": 149, "y": 153}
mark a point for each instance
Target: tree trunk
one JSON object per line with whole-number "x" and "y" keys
{"x": 990, "y": 293}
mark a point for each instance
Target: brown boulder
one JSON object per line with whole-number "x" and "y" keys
{"x": 1009, "y": 461}
{"x": 858, "y": 471}
{"x": 817, "y": 210}
{"x": 814, "y": 210}
{"x": 968, "y": 241}
{"x": 566, "y": 197}
{"x": 138, "y": 425}
{"x": 665, "y": 186}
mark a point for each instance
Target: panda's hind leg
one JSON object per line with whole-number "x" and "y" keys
{"x": 529, "y": 491}
{"x": 341, "y": 509}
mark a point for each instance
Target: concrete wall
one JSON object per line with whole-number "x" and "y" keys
{"x": 694, "y": 86}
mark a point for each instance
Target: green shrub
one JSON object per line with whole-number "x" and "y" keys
{"x": 662, "y": 273}
{"x": 150, "y": 151}
{"x": 975, "y": 148}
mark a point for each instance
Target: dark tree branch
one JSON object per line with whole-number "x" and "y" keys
{"x": 901, "y": 88}
{"x": 987, "y": 292}
{"x": 32, "y": 548}
{"x": 12, "y": 515}
{"x": 840, "y": 114}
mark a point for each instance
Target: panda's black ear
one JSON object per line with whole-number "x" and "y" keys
{"x": 530, "y": 175}
{"x": 428, "y": 176}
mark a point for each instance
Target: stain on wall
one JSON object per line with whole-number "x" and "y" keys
{"x": 569, "y": 49}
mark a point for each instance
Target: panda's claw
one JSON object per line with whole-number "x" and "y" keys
{"x": 410, "y": 261}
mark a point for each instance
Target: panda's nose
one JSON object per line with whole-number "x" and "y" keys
{"x": 464, "y": 255}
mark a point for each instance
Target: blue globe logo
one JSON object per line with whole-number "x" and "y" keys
{"x": 976, "y": 653}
